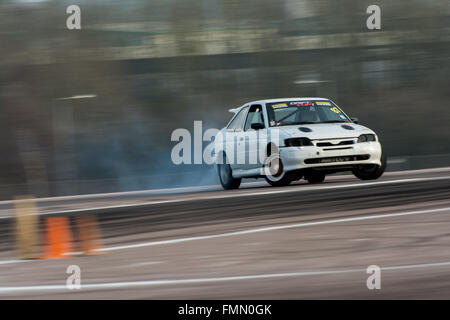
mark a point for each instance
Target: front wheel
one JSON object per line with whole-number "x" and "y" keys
{"x": 284, "y": 181}
{"x": 274, "y": 172}
{"x": 370, "y": 171}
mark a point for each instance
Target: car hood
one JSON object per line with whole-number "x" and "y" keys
{"x": 325, "y": 130}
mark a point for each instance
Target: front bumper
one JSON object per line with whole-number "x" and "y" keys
{"x": 295, "y": 158}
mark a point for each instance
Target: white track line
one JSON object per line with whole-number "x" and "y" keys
{"x": 282, "y": 227}
{"x": 13, "y": 261}
{"x": 243, "y": 194}
{"x": 250, "y": 231}
{"x": 130, "y": 284}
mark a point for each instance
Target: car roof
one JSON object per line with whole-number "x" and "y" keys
{"x": 275, "y": 101}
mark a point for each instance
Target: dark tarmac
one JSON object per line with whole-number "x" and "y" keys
{"x": 298, "y": 242}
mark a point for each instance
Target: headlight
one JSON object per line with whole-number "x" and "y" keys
{"x": 366, "y": 138}
{"x": 297, "y": 142}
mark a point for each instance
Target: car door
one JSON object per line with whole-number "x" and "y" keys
{"x": 251, "y": 136}
{"x": 234, "y": 138}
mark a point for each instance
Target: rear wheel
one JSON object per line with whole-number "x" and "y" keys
{"x": 226, "y": 176}
{"x": 315, "y": 177}
{"x": 370, "y": 171}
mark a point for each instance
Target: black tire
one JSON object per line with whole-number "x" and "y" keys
{"x": 287, "y": 177}
{"x": 371, "y": 172}
{"x": 315, "y": 177}
{"x": 285, "y": 181}
{"x": 226, "y": 176}
{"x": 297, "y": 175}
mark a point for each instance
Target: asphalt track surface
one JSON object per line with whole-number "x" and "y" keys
{"x": 298, "y": 242}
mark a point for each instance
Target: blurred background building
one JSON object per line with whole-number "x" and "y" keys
{"x": 92, "y": 110}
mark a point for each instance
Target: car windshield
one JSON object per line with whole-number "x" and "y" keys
{"x": 304, "y": 112}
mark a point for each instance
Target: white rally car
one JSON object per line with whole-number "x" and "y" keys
{"x": 284, "y": 140}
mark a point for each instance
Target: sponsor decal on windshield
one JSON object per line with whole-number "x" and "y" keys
{"x": 279, "y": 105}
{"x": 323, "y": 103}
{"x": 302, "y": 103}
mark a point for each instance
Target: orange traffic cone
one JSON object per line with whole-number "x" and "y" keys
{"x": 88, "y": 234}
{"x": 58, "y": 238}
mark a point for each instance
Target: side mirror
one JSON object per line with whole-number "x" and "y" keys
{"x": 257, "y": 126}
{"x": 355, "y": 120}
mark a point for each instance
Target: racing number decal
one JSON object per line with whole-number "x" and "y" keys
{"x": 335, "y": 110}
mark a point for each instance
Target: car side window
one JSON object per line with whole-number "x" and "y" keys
{"x": 238, "y": 121}
{"x": 254, "y": 116}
